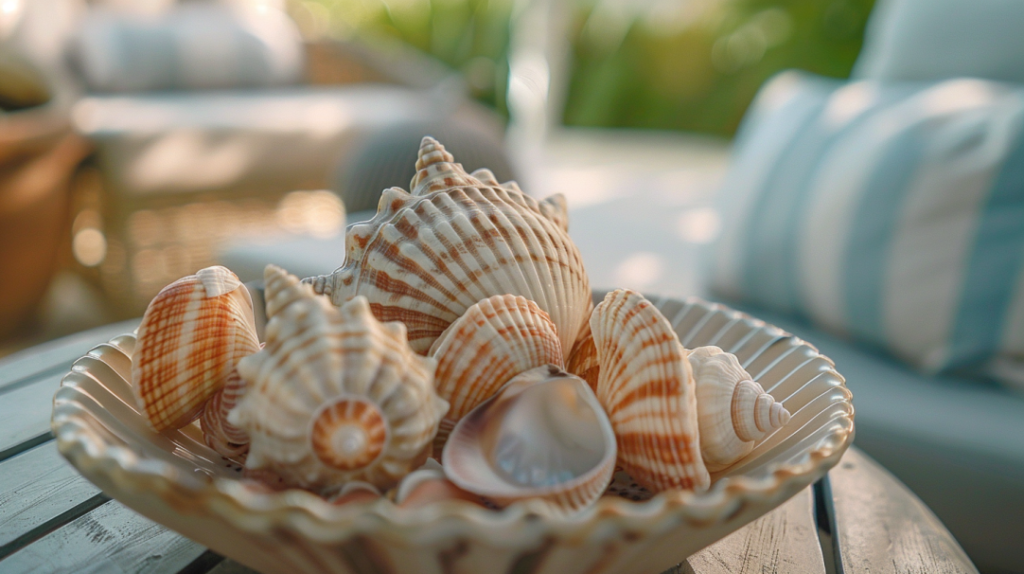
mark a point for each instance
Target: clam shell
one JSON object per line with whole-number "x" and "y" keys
{"x": 426, "y": 257}
{"x": 192, "y": 334}
{"x": 496, "y": 339}
{"x": 734, "y": 411}
{"x": 335, "y": 396}
{"x": 543, "y": 436}
{"x": 647, "y": 388}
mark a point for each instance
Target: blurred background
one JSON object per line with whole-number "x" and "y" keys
{"x": 142, "y": 140}
{"x": 172, "y": 135}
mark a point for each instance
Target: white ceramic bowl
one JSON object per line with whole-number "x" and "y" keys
{"x": 174, "y": 479}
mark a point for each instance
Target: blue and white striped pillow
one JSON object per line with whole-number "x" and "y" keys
{"x": 893, "y": 213}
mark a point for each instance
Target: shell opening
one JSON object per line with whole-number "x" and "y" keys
{"x": 348, "y": 434}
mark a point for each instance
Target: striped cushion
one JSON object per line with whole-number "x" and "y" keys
{"x": 893, "y": 213}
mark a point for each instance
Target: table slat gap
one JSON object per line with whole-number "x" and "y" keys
{"x": 29, "y": 444}
{"x": 53, "y": 524}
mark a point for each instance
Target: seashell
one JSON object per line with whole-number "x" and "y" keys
{"x": 496, "y": 339}
{"x": 355, "y": 492}
{"x": 647, "y": 388}
{"x": 427, "y": 256}
{"x": 220, "y": 435}
{"x": 335, "y": 395}
{"x": 192, "y": 334}
{"x": 543, "y": 435}
{"x": 429, "y": 485}
{"x": 582, "y": 360}
{"x": 733, "y": 410}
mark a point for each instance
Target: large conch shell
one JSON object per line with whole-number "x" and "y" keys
{"x": 335, "y": 396}
{"x": 496, "y": 339}
{"x": 646, "y": 385}
{"x": 459, "y": 238}
{"x": 192, "y": 334}
{"x": 542, "y": 436}
{"x": 733, "y": 410}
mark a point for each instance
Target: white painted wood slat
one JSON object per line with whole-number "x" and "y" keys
{"x": 36, "y": 486}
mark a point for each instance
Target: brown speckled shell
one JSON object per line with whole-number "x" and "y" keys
{"x": 429, "y": 255}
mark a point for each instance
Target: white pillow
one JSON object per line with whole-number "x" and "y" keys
{"x": 890, "y": 213}
{"x": 921, "y": 40}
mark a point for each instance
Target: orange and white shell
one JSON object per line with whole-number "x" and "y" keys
{"x": 582, "y": 360}
{"x": 543, "y": 436}
{"x": 734, "y": 411}
{"x": 429, "y": 255}
{"x": 496, "y": 339}
{"x": 335, "y": 396}
{"x": 220, "y": 435}
{"x": 646, "y": 385}
{"x": 192, "y": 334}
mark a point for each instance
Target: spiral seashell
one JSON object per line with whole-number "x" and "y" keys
{"x": 647, "y": 388}
{"x": 192, "y": 334}
{"x": 733, "y": 410}
{"x": 427, "y": 256}
{"x": 335, "y": 396}
{"x": 220, "y": 435}
{"x": 543, "y": 435}
{"x": 582, "y": 360}
{"x": 495, "y": 340}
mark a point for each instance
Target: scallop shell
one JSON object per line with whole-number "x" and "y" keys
{"x": 582, "y": 360}
{"x": 192, "y": 334}
{"x": 220, "y": 435}
{"x": 734, "y": 411}
{"x": 335, "y": 395}
{"x": 647, "y": 387}
{"x": 543, "y": 435}
{"x": 426, "y": 257}
{"x": 495, "y": 340}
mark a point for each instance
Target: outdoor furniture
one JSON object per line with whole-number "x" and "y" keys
{"x": 859, "y": 519}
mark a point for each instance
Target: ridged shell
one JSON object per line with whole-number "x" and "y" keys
{"x": 647, "y": 388}
{"x": 220, "y": 435}
{"x": 543, "y": 436}
{"x": 582, "y": 360}
{"x": 335, "y": 396}
{"x": 495, "y": 340}
{"x": 734, "y": 411}
{"x": 192, "y": 334}
{"x": 428, "y": 256}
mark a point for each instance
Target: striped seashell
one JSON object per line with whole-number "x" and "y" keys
{"x": 733, "y": 410}
{"x": 427, "y": 256}
{"x": 220, "y": 435}
{"x": 582, "y": 360}
{"x": 335, "y": 396}
{"x": 192, "y": 334}
{"x": 647, "y": 388}
{"x": 429, "y": 485}
{"x": 543, "y": 436}
{"x": 495, "y": 340}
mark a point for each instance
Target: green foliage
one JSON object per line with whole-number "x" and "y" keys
{"x": 698, "y": 64}
{"x": 471, "y": 36}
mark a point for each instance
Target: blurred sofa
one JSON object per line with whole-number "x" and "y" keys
{"x": 947, "y": 77}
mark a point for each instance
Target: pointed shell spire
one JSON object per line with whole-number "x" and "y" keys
{"x": 192, "y": 334}
{"x": 734, "y": 410}
{"x": 335, "y": 396}
{"x": 429, "y": 255}
{"x": 646, "y": 385}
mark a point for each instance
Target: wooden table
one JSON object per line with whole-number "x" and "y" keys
{"x": 858, "y": 519}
